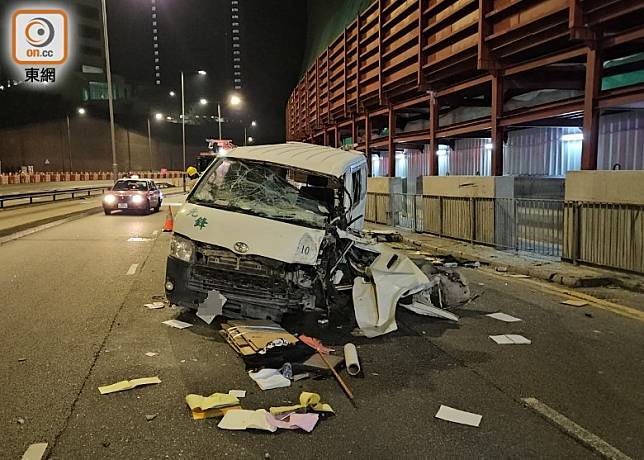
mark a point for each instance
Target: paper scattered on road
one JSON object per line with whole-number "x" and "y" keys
{"x": 575, "y": 303}
{"x": 151, "y": 354}
{"x": 155, "y": 305}
{"x": 176, "y": 323}
{"x": 307, "y": 400}
{"x": 511, "y": 339}
{"x": 305, "y": 422}
{"x": 214, "y": 401}
{"x": 151, "y": 417}
{"x": 35, "y": 451}
{"x": 212, "y": 306}
{"x": 246, "y": 419}
{"x": 128, "y": 384}
{"x": 504, "y": 317}
{"x": 132, "y": 269}
{"x": 268, "y": 379}
{"x": 458, "y": 416}
{"x": 237, "y": 393}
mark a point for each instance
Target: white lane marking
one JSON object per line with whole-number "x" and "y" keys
{"x": 132, "y": 269}
{"x": 581, "y": 434}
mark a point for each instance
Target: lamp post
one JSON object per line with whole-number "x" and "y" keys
{"x": 234, "y": 101}
{"x": 110, "y": 96}
{"x": 246, "y": 138}
{"x": 81, "y": 111}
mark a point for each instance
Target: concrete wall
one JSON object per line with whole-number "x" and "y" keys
{"x": 545, "y": 188}
{"x": 626, "y": 187}
{"x": 459, "y": 186}
{"x": 384, "y": 185}
{"x": 90, "y": 148}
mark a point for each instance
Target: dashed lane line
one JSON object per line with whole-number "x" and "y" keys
{"x": 132, "y": 269}
{"x": 579, "y": 433}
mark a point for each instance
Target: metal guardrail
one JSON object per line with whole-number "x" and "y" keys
{"x": 71, "y": 192}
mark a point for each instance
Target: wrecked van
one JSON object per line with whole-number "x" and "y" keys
{"x": 260, "y": 230}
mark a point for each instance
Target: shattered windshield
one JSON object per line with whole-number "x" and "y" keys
{"x": 258, "y": 189}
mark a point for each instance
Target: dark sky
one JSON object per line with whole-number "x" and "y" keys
{"x": 196, "y": 34}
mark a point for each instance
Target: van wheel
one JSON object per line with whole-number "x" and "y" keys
{"x": 158, "y": 206}
{"x": 107, "y": 212}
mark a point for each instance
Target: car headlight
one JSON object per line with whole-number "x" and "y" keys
{"x": 137, "y": 199}
{"x": 182, "y": 248}
{"x": 109, "y": 199}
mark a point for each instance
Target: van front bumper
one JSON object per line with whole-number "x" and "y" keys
{"x": 177, "y": 275}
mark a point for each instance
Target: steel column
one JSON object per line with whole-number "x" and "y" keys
{"x": 591, "y": 112}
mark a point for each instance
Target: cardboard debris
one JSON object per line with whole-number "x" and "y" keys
{"x": 248, "y": 337}
{"x": 246, "y": 419}
{"x": 307, "y": 400}
{"x": 504, "y": 317}
{"x": 237, "y": 393}
{"x": 458, "y": 416}
{"x": 213, "y": 413}
{"x": 155, "y": 305}
{"x": 269, "y": 379}
{"x": 176, "y": 323}
{"x": 128, "y": 384}
{"x": 511, "y": 339}
{"x": 575, "y": 303}
{"x": 315, "y": 364}
{"x": 35, "y": 451}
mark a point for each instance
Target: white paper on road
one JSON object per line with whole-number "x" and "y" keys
{"x": 575, "y": 303}
{"x": 138, "y": 239}
{"x": 268, "y": 379}
{"x": 458, "y": 416}
{"x": 132, "y": 269}
{"x": 176, "y": 323}
{"x": 155, "y": 305}
{"x": 504, "y": 317}
{"x": 151, "y": 354}
{"x": 237, "y": 393}
{"x": 212, "y": 306}
{"x": 511, "y": 339}
{"x": 35, "y": 451}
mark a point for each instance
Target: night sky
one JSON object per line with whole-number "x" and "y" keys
{"x": 196, "y": 34}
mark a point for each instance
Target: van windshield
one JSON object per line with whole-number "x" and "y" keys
{"x": 260, "y": 190}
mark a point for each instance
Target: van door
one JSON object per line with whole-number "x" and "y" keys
{"x": 356, "y": 185}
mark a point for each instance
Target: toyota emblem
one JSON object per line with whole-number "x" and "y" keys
{"x": 241, "y": 247}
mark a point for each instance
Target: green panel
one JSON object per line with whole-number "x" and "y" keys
{"x": 327, "y": 19}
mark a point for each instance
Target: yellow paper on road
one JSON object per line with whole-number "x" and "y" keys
{"x": 212, "y": 413}
{"x": 128, "y": 384}
{"x": 214, "y": 401}
{"x": 307, "y": 399}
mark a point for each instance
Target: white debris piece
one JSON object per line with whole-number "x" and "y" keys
{"x": 155, "y": 305}
{"x": 458, "y": 416}
{"x": 211, "y": 307}
{"x": 176, "y": 323}
{"x": 504, "y": 317}
{"x": 510, "y": 339}
{"x": 35, "y": 451}
{"x": 268, "y": 379}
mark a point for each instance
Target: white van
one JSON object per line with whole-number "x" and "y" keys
{"x": 259, "y": 229}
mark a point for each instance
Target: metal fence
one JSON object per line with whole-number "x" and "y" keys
{"x": 516, "y": 224}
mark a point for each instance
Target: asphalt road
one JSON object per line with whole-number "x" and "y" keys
{"x": 73, "y": 319}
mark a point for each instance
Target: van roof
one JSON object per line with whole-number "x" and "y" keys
{"x": 316, "y": 158}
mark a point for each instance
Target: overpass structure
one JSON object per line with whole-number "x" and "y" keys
{"x": 427, "y": 74}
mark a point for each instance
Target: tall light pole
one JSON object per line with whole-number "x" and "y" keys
{"x": 234, "y": 100}
{"x": 246, "y": 138}
{"x": 183, "y": 130}
{"x": 150, "y": 143}
{"x": 110, "y": 96}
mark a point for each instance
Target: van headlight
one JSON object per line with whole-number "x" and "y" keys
{"x": 182, "y": 248}
{"x": 109, "y": 199}
{"x": 137, "y": 199}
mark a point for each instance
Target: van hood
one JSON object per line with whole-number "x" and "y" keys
{"x": 257, "y": 235}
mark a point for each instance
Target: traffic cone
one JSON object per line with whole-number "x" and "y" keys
{"x": 169, "y": 221}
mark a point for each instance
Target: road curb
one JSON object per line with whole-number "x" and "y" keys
{"x": 542, "y": 273}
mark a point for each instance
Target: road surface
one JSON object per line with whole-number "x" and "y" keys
{"x": 73, "y": 320}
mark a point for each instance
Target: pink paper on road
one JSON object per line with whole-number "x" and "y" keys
{"x": 305, "y": 422}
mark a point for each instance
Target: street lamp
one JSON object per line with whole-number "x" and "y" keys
{"x": 110, "y": 96}
{"x": 253, "y": 123}
{"x": 81, "y": 111}
{"x": 249, "y": 139}
{"x": 203, "y": 101}
{"x": 202, "y": 72}
{"x": 172, "y": 94}
{"x": 158, "y": 116}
